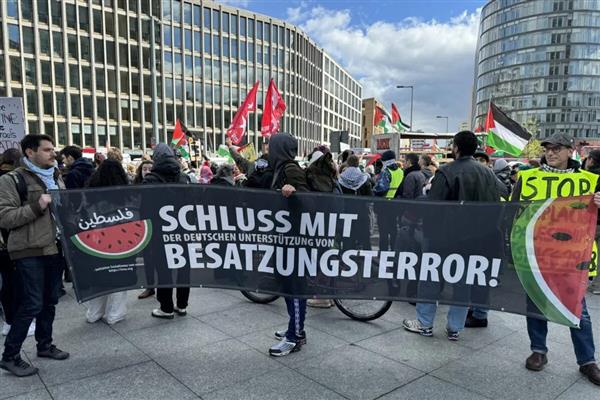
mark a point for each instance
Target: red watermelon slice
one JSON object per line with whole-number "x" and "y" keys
{"x": 552, "y": 247}
{"x": 116, "y": 241}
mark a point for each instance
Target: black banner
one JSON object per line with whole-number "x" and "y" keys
{"x": 525, "y": 258}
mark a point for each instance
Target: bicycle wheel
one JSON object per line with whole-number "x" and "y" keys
{"x": 363, "y": 310}
{"x": 261, "y": 298}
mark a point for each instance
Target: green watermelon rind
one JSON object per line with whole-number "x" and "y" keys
{"x": 86, "y": 249}
{"x": 522, "y": 251}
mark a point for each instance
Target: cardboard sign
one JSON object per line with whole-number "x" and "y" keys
{"x": 12, "y": 123}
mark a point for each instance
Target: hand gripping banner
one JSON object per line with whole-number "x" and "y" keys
{"x": 525, "y": 258}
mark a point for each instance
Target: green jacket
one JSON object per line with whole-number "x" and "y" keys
{"x": 32, "y": 232}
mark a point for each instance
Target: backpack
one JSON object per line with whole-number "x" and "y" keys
{"x": 21, "y": 187}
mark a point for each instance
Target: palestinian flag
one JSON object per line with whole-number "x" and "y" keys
{"x": 397, "y": 121}
{"x": 504, "y": 133}
{"x": 382, "y": 120}
{"x": 179, "y": 140}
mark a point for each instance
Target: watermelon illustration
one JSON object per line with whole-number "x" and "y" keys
{"x": 551, "y": 245}
{"x": 116, "y": 241}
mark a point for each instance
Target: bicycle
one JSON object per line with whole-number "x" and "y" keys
{"x": 358, "y": 310}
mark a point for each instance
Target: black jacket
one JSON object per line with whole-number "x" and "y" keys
{"x": 465, "y": 179}
{"x": 79, "y": 173}
{"x": 260, "y": 178}
{"x": 166, "y": 170}
{"x": 412, "y": 184}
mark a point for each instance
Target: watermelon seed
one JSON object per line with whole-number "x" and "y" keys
{"x": 110, "y": 246}
{"x": 87, "y": 236}
{"x": 562, "y": 236}
{"x": 578, "y": 205}
{"x": 118, "y": 241}
{"x": 583, "y": 266}
{"x": 130, "y": 242}
{"x": 137, "y": 234}
{"x": 123, "y": 230}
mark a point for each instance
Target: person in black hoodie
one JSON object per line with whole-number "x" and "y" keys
{"x": 289, "y": 178}
{"x": 80, "y": 169}
{"x": 167, "y": 169}
{"x": 414, "y": 179}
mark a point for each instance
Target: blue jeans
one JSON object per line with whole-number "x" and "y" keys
{"x": 582, "y": 338}
{"x": 456, "y": 316}
{"x": 296, "y": 309}
{"x": 37, "y": 282}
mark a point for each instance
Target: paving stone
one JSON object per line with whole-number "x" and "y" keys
{"x": 337, "y": 324}
{"x": 431, "y": 388}
{"x": 142, "y": 381}
{"x": 243, "y": 320}
{"x": 581, "y": 390}
{"x": 41, "y": 394}
{"x": 11, "y": 385}
{"x": 88, "y": 358}
{"x": 216, "y": 366}
{"x": 420, "y": 352}
{"x": 269, "y": 387}
{"x": 318, "y": 344}
{"x": 500, "y": 378}
{"x": 357, "y": 373}
{"x": 179, "y": 334}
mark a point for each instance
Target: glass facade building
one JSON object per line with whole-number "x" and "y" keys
{"x": 87, "y": 71}
{"x": 540, "y": 60}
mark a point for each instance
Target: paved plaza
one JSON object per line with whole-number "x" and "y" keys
{"x": 219, "y": 351}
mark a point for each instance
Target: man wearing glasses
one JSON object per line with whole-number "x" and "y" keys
{"x": 559, "y": 176}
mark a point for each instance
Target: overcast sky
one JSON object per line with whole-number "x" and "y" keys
{"x": 429, "y": 44}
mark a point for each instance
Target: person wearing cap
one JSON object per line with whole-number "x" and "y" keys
{"x": 559, "y": 176}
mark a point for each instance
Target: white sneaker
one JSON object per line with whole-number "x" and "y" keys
{"x": 31, "y": 330}
{"x": 5, "y": 329}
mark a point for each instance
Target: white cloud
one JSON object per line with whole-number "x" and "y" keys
{"x": 436, "y": 57}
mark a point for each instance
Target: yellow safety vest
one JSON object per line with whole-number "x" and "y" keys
{"x": 537, "y": 184}
{"x": 397, "y": 176}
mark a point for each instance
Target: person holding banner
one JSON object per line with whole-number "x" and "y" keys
{"x": 289, "y": 178}
{"x": 32, "y": 245}
{"x": 559, "y": 176}
{"x": 464, "y": 179}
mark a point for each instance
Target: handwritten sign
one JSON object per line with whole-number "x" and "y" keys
{"x": 12, "y": 123}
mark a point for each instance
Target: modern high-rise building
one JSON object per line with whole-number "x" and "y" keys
{"x": 90, "y": 73}
{"x": 539, "y": 60}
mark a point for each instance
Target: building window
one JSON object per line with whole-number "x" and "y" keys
{"x": 166, "y": 9}
{"x": 14, "y": 40}
{"x": 30, "y": 71}
{"x": 177, "y": 38}
{"x": 207, "y": 18}
{"x": 59, "y": 74}
{"x": 187, "y": 13}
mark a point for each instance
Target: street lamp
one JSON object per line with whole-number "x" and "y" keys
{"x": 412, "y": 128}
{"x": 443, "y": 117}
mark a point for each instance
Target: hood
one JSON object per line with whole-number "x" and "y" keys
{"x": 427, "y": 172}
{"x": 315, "y": 156}
{"x": 83, "y": 164}
{"x": 391, "y": 164}
{"x": 162, "y": 150}
{"x": 353, "y": 178}
{"x": 166, "y": 166}
{"x": 282, "y": 147}
{"x": 500, "y": 164}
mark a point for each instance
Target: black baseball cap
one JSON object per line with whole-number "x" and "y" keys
{"x": 561, "y": 139}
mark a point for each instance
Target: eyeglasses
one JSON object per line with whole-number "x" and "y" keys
{"x": 554, "y": 149}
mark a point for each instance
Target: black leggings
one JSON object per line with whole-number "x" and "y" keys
{"x": 8, "y": 294}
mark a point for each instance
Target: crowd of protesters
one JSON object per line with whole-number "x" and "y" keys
{"x": 32, "y": 265}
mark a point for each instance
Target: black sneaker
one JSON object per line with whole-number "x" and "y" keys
{"x": 18, "y": 367}
{"x": 54, "y": 353}
{"x": 182, "y": 312}
{"x": 452, "y": 336}
{"x": 475, "y": 322}
{"x": 280, "y": 335}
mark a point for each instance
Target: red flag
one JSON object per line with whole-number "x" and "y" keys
{"x": 274, "y": 109}
{"x": 395, "y": 114}
{"x": 179, "y": 137}
{"x": 489, "y": 125}
{"x": 237, "y": 129}
{"x": 379, "y": 116}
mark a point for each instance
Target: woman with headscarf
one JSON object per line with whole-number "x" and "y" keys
{"x": 206, "y": 175}
{"x": 353, "y": 181}
{"x": 289, "y": 178}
